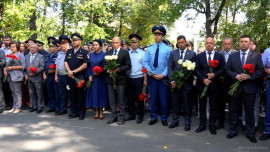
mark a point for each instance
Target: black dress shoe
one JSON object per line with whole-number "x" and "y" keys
{"x": 81, "y": 117}
{"x": 244, "y": 128}
{"x": 130, "y": 117}
{"x": 61, "y": 113}
{"x": 230, "y": 136}
{"x": 139, "y": 121}
{"x": 213, "y": 131}
{"x": 39, "y": 110}
{"x": 1, "y": 110}
{"x": 112, "y": 120}
{"x": 151, "y": 122}
{"x": 200, "y": 129}
{"x": 164, "y": 122}
{"x": 69, "y": 115}
{"x": 73, "y": 116}
{"x": 50, "y": 110}
{"x": 252, "y": 139}
{"x": 264, "y": 137}
{"x": 187, "y": 127}
{"x": 121, "y": 121}
{"x": 32, "y": 110}
{"x": 173, "y": 125}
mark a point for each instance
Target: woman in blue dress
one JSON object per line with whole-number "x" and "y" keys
{"x": 97, "y": 96}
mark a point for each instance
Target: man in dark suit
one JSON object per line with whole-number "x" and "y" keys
{"x": 35, "y": 82}
{"x": 211, "y": 79}
{"x": 246, "y": 92}
{"x": 124, "y": 65}
{"x": 185, "y": 91}
{"x": 2, "y": 65}
{"x": 225, "y": 83}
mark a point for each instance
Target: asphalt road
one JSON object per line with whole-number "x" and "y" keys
{"x": 46, "y": 132}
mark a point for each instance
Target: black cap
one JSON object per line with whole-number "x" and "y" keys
{"x": 51, "y": 37}
{"x": 76, "y": 36}
{"x": 64, "y": 39}
{"x": 39, "y": 43}
{"x": 123, "y": 42}
{"x": 135, "y": 37}
{"x": 54, "y": 43}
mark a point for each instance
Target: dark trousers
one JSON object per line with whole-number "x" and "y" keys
{"x": 7, "y": 94}
{"x": 36, "y": 94}
{"x": 52, "y": 92}
{"x": 182, "y": 96}
{"x": 224, "y": 98}
{"x": 62, "y": 92}
{"x": 213, "y": 99}
{"x": 248, "y": 101}
{"x": 77, "y": 100}
{"x": 159, "y": 95}
{"x": 120, "y": 93}
{"x": 135, "y": 86}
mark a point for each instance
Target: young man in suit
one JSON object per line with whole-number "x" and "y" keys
{"x": 156, "y": 62}
{"x": 35, "y": 80}
{"x": 246, "y": 92}
{"x": 225, "y": 83}
{"x": 211, "y": 80}
{"x": 124, "y": 65}
{"x": 183, "y": 53}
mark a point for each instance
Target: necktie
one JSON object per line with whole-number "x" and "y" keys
{"x": 31, "y": 58}
{"x": 209, "y": 57}
{"x": 156, "y": 57}
{"x": 243, "y": 59}
{"x": 181, "y": 55}
{"x": 115, "y": 52}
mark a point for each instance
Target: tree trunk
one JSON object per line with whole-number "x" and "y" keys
{"x": 1, "y": 13}
{"x": 208, "y": 23}
{"x": 63, "y": 18}
{"x": 121, "y": 25}
{"x": 33, "y": 26}
{"x": 43, "y": 18}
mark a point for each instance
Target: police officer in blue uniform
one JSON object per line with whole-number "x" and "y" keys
{"x": 40, "y": 48}
{"x": 156, "y": 62}
{"x": 76, "y": 63}
{"x": 48, "y": 75}
{"x": 60, "y": 75}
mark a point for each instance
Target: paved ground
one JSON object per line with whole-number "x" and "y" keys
{"x": 46, "y": 132}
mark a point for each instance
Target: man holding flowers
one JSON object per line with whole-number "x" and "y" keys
{"x": 209, "y": 67}
{"x": 178, "y": 65}
{"x": 116, "y": 79}
{"x": 245, "y": 68}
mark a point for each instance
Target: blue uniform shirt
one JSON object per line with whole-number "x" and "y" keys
{"x": 266, "y": 60}
{"x": 136, "y": 58}
{"x": 49, "y": 59}
{"x": 163, "y": 56}
{"x": 60, "y": 62}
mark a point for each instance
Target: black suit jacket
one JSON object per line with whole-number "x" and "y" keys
{"x": 174, "y": 66}
{"x": 202, "y": 69}
{"x": 124, "y": 65}
{"x": 234, "y": 67}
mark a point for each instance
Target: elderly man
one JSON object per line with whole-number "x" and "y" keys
{"x": 35, "y": 80}
{"x": 124, "y": 65}
{"x": 225, "y": 83}
{"x": 205, "y": 78}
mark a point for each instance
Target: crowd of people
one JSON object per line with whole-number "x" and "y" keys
{"x": 101, "y": 74}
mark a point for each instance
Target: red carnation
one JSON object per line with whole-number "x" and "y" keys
{"x": 213, "y": 63}
{"x": 52, "y": 66}
{"x": 144, "y": 70}
{"x": 33, "y": 69}
{"x": 97, "y": 69}
{"x": 248, "y": 68}
{"x": 12, "y": 56}
{"x": 80, "y": 86}
{"x": 143, "y": 97}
